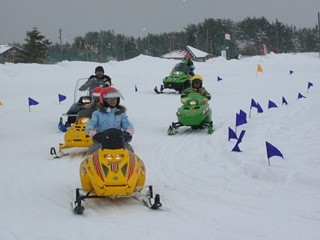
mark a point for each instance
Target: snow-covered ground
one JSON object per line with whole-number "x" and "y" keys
{"x": 207, "y": 191}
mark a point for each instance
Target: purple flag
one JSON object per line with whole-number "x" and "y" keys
{"x": 243, "y": 113}
{"x": 236, "y": 148}
{"x": 241, "y": 136}
{"x": 135, "y": 88}
{"x": 301, "y": 96}
{"x": 32, "y": 102}
{"x": 260, "y": 110}
{"x": 253, "y": 103}
{"x": 219, "y": 78}
{"x": 272, "y": 151}
{"x": 284, "y": 101}
{"x": 310, "y": 85}
{"x": 232, "y": 134}
{"x": 61, "y": 97}
{"x": 290, "y": 72}
{"x": 272, "y": 105}
{"x": 241, "y": 118}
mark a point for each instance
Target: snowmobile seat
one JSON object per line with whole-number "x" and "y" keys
{"x": 110, "y": 139}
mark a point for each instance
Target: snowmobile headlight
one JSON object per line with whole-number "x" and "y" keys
{"x": 176, "y": 72}
{"x": 84, "y": 120}
{"x": 193, "y": 102}
{"x": 108, "y": 156}
{"x": 119, "y": 156}
{"x": 86, "y": 100}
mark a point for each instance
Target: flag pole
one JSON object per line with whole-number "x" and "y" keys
{"x": 269, "y": 162}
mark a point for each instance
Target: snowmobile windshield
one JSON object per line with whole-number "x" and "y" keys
{"x": 181, "y": 67}
{"x": 110, "y": 139}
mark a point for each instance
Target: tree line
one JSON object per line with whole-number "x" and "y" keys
{"x": 247, "y": 38}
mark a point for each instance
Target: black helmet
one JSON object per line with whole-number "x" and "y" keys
{"x": 99, "y": 69}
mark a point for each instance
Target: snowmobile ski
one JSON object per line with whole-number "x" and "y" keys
{"x": 54, "y": 153}
{"x": 157, "y": 91}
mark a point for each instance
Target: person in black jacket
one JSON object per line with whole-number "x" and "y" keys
{"x": 98, "y": 80}
{"x": 187, "y": 60}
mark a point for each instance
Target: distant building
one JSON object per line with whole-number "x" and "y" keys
{"x": 8, "y": 53}
{"x": 197, "y": 55}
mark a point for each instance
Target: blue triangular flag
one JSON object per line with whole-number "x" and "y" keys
{"x": 135, "y": 88}
{"x": 301, "y": 96}
{"x": 290, "y": 72}
{"x": 253, "y": 103}
{"x": 241, "y": 118}
{"x": 32, "y": 102}
{"x": 260, "y": 110}
{"x": 310, "y": 85}
{"x": 272, "y": 151}
{"x": 243, "y": 113}
{"x": 232, "y": 134}
{"x": 284, "y": 101}
{"x": 241, "y": 136}
{"x": 272, "y": 105}
{"x": 61, "y": 97}
{"x": 219, "y": 78}
{"x": 236, "y": 148}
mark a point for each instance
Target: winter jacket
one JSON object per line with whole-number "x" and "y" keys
{"x": 190, "y": 64}
{"x": 200, "y": 90}
{"x": 105, "y": 118}
{"x": 93, "y": 81}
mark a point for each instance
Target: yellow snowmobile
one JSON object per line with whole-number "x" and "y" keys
{"x": 76, "y": 135}
{"x": 113, "y": 172}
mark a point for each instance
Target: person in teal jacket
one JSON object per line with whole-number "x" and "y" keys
{"x": 109, "y": 115}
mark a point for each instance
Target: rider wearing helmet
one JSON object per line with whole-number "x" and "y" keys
{"x": 95, "y": 98}
{"x": 109, "y": 115}
{"x": 187, "y": 60}
{"x": 196, "y": 87}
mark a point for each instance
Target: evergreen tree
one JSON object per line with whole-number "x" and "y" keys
{"x": 35, "y": 49}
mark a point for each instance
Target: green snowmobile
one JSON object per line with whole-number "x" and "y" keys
{"x": 195, "y": 112}
{"x": 179, "y": 79}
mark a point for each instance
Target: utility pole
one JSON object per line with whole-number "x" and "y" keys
{"x": 148, "y": 44}
{"x": 172, "y": 41}
{"x": 60, "y": 38}
{"x": 123, "y": 52}
{"x": 101, "y": 45}
{"x": 319, "y": 31}
{"x": 277, "y": 36}
{"x": 207, "y": 39}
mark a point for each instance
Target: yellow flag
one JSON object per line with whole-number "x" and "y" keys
{"x": 259, "y": 69}
{"x": 1, "y": 104}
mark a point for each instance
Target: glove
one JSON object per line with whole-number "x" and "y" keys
{"x": 130, "y": 131}
{"x": 92, "y": 132}
{"x": 127, "y": 137}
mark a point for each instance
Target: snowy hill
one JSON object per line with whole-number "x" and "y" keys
{"x": 207, "y": 191}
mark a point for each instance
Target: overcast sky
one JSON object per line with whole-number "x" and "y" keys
{"x": 138, "y": 17}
